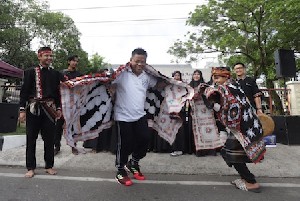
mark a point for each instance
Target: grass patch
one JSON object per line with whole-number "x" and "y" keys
{"x": 21, "y": 130}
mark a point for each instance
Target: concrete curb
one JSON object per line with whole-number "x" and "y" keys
{"x": 11, "y": 141}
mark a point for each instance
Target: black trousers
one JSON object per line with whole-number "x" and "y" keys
{"x": 234, "y": 155}
{"x": 101, "y": 143}
{"x": 34, "y": 125}
{"x": 59, "y": 131}
{"x": 244, "y": 172}
{"x": 132, "y": 138}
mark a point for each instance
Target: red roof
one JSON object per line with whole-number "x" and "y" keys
{"x": 10, "y": 70}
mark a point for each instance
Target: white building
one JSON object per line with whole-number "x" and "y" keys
{"x": 185, "y": 69}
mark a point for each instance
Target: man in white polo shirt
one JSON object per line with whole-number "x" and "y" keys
{"x": 130, "y": 116}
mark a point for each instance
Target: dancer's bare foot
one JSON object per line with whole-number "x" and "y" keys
{"x": 29, "y": 174}
{"x": 51, "y": 171}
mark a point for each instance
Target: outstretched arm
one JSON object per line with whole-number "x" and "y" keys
{"x": 161, "y": 84}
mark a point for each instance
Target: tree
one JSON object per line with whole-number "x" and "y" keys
{"x": 22, "y": 23}
{"x": 15, "y": 37}
{"x": 59, "y": 32}
{"x": 96, "y": 63}
{"x": 242, "y": 30}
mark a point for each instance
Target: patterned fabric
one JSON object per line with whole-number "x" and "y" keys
{"x": 239, "y": 117}
{"x": 38, "y": 85}
{"x": 221, "y": 71}
{"x": 48, "y": 106}
{"x": 38, "y": 103}
{"x": 206, "y": 134}
{"x": 250, "y": 88}
{"x": 87, "y": 106}
{"x": 233, "y": 152}
{"x": 167, "y": 103}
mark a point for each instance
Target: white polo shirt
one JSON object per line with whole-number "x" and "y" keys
{"x": 131, "y": 95}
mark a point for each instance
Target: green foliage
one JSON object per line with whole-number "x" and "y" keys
{"x": 22, "y": 23}
{"x": 247, "y": 31}
{"x": 96, "y": 63}
{"x": 14, "y": 37}
{"x": 244, "y": 31}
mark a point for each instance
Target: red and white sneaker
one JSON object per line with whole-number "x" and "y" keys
{"x": 135, "y": 170}
{"x": 122, "y": 178}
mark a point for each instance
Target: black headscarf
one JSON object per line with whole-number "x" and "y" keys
{"x": 194, "y": 83}
{"x": 175, "y": 72}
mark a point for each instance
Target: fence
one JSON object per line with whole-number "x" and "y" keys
{"x": 11, "y": 93}
{"x": 268, "y": 103}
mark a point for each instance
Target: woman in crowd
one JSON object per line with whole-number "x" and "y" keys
{"x": 197, "y": 79}
{"x": 204, "y": 132}
{"x": 178, "y": 147}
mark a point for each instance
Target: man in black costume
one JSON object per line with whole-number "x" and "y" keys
{"x": 40, "y": 107}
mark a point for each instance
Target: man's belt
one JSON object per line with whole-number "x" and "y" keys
{"x": 46, "y": 104}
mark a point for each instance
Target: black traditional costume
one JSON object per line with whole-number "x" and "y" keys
{"x": 40, "y": 98}
{"x": 244, "y": 143}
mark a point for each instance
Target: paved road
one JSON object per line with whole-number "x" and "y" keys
{"x": 98, "y": 185}
{"x": 91, "y": 177}
{"x": 280, "y": 161}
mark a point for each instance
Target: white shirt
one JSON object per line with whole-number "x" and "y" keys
{"x": 131, "y": 95}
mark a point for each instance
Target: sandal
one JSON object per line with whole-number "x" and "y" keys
{"x": 240, "y": 184}
{"x": 235, "y": 181}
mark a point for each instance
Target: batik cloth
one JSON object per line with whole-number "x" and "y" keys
{"x": 87, "y": 105}
{"x": 239, "y": 117}
{"x": 206, "y": 133}
{"x": 47, "y": 105}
